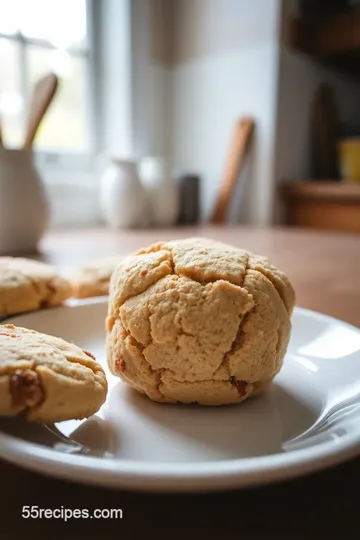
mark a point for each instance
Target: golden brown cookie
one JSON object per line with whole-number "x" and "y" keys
{"x": 93, "y": 279}
{"x": 198, "y": 321}
{"x": 27, "y": 285}
{"x": 46, "y": 378}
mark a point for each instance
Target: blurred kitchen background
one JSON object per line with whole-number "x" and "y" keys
{"x": 233, "y": 111}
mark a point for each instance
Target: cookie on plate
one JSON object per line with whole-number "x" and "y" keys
{"x": 46, "y": 378}
{"x": 27, "y": 285}
{"x": 198, "y": 321}
{"x": 93, "y": 279}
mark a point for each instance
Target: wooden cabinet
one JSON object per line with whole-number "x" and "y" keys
{"x": 334, "y": 40}
{"x": 322, "y": 205}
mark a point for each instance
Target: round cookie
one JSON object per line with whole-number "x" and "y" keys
{"x": 27, "y": 285}
{"x": 198, "y": 321}
{"x": 93, "y": 279}
{"x": 47, "y": 379}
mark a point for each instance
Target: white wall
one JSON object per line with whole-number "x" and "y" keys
{"x": 150, "y": 80}
{"x": 225, "y": 65}
{"x": 74, "y": 199}
{"x": 114, "y": 71}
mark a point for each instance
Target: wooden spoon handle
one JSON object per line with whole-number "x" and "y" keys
{"x": 233, "y": 165}
{"x": 43, "y": 95}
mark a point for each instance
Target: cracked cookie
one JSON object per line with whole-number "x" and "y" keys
{"x": 93, "y": 279}
{"x": 27, "y": 285}
{"x": 46, "y": 378}
{"x": 196, "y": 320}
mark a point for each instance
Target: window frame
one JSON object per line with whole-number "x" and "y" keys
{"x": 53, "y": 159}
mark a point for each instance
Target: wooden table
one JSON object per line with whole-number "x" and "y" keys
{"x": 325, "y": 270}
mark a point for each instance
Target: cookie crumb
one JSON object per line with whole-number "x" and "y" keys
{"x": 9, "y": 334}
{"x": 25, "y": 388}
{"x": 89, "y": 354}
{"x": 51, "y": 288}
{"x": 5, "y": 330}
{"x": 120, "y": 364}
{"x": 241, "y": 387}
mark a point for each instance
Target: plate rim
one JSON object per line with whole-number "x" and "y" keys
{"x": 178, "y": 477}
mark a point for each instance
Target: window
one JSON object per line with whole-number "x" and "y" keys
{"x": 38, "y": 37}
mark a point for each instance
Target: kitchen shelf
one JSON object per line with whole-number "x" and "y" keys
{"x": 334, "y": 40}
{"x": 322, "y": 205}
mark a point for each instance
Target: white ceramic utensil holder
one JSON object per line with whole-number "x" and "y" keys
{"x": 24, "y": 208}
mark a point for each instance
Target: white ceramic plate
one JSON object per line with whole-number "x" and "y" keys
{"x": 308, "y": 420}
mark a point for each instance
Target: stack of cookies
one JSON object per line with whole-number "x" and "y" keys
{"x": 28, "y": 285}
{"x": 43, "y": 377}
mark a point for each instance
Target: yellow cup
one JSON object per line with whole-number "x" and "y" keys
{"x": 349, "y": 159}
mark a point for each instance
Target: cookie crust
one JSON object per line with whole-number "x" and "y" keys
{"x": 46, "y": 378}
{"x": 198, "y": 321}
{"x": 27, "y": 285}
{"x": 93, "y": 279}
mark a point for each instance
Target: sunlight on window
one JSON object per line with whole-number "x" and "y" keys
{"x": 65, "y": 124}
{"x": 11, "y": 98}
{"x": 63, "y": 22}
{"x": 60, "y": 22}
{"x": 9, "y": 20}
{"x": 38, "y": 37}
